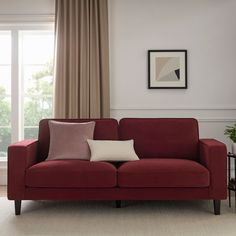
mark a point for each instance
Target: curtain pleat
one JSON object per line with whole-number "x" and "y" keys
{"x": 82, "y": 59}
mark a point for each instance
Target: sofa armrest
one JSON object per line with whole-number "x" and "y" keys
{"x": 213, "y": 155}
{"x": 21, "y": 155}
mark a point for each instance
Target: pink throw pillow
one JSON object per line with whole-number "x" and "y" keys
{"x": 69, "y": 140}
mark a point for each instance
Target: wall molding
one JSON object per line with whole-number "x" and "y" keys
{"x": 176, "y": 108}
{"x": 226, "y": 114}
{"x": 217, "y": 120}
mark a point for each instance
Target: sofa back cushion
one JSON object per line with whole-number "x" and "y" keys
{"x": 162, "y": 137}
{"x": 105, "y": 129}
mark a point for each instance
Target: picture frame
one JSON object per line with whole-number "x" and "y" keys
{"x": 167, "y": 69}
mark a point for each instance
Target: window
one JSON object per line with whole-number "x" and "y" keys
{"x": 36, "y": 72}
{"x": 26, "y": 82}
{"x": 5, "y": 91}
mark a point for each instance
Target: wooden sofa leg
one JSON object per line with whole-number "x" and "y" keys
{"x": 217, "y": 207}
{"x": 118, "y": 204}
{"x": 17, "y": 207}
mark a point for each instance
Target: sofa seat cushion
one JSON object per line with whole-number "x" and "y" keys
{"x": 163, "y": 173}
{"x": 71, "y": 174}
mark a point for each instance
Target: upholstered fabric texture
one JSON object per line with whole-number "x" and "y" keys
{"x": 112, "y": 150}
{"x": 211, "y": 156}
{"x": 71, "y": 174}
{"x": 174, "y": 164}
{"x": 162, "y": 137}
{"x": 69, "y": 140}
{"x": 163, "y": 172}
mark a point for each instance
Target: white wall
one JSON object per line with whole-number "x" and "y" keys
{"x": 206, "y": 28}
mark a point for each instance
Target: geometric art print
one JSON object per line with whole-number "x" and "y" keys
{"x": 167, "y": 69}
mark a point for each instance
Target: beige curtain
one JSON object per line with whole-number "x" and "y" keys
{"x": 82, "y": 59}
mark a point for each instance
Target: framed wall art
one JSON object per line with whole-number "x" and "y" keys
{"x": 167, "y": 69}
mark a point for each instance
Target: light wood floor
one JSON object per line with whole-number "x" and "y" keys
{"x": 3, "y": 191}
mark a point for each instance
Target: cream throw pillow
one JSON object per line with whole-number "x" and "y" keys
{"x": 108, "y": 150}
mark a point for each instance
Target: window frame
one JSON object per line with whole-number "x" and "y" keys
{"x": 17, "y": 94}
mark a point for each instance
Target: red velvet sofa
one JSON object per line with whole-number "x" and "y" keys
{"x": 174, "y": 165}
